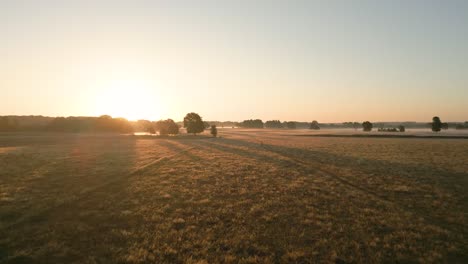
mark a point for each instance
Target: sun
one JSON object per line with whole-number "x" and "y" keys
{"x": 130, "y": 99}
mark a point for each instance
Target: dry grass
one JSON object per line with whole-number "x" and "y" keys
{"x": 248, "y": 197}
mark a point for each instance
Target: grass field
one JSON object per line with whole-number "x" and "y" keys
{"x": 247, "y": 197}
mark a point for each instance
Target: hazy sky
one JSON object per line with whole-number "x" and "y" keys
{"x": 327, "y": 60}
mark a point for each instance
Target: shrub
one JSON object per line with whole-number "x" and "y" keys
{"x": 214, "y": 131}
{"x": 436, "y": 124}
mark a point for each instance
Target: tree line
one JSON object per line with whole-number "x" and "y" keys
{"x": 193, "y": 124}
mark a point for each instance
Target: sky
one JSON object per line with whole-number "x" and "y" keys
{"x": 331, "y": 61}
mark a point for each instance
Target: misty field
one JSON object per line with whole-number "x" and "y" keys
{"x": 246, "y": 197}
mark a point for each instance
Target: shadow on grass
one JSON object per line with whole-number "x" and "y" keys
{"x": 68, "y": 215}
{"x": 371, "y": 176}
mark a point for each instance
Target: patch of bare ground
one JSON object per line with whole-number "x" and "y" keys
{"x": 247, "y": 197}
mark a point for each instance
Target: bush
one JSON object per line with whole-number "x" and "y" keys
{"x": 436, "y": 124}
{"x": 388, "y": 129}
{"x": 214, "y": 131}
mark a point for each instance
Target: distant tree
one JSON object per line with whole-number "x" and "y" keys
{"x": 172, "y": 127}
{"x": 151, "y": 130}
{"x": 444, "y": 126}
{"x": 214, "y": 130}
{"x": 273, "y": 124}
{"x": 252, "y": 123}
{"x": 145, "y": 125}
{"x": 401, "y": 128}
{"x": 102, "y": 124}
{"x": 436, "y": 124}
{"x": 194, "y": 123}
{"x": 462, "y": 126}
{"x": 356, "y": 125}
{"x": 167, "y": 127}
{"x": 314, "y": 125}
{"x": 367, "y": 126}
{"x": 206, "y": 124}
{"x": 291, "y": 125}
{"x": 8, "y": 124}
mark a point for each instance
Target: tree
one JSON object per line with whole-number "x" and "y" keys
{"x": 172, "y": 127}
{"x": 436, "y": 124}
{"x": 273, "y": 124}
{"x": 151, "y": 130}
{"x": 145, "y": 125}
{"x": 252, "y": 123}
{"x": 401, "y": 128}
{"x": 367, "y": 126}
{"x": 314, "y": 125}
{"x": 193, "y": 123}
{"x": 8, "y": 124}
{"x": 167, "y": 127}
{"x": 214, "y": 130}
{"x": 291, "y": 125}
{"x": 356, "y": 125}
{"x": 462, "y": 126}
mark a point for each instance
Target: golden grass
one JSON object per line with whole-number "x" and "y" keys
{"x": 247, "y": 197}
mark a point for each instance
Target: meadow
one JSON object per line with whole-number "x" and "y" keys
{"x": 248, "y": 196}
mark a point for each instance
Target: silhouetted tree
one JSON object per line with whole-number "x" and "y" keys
{"x": 273, "y": 124}
{"x": 367, "y": 126}
{"x": 167, "y": 127}
{"x": 444, "y": 126}
{"x": 462, "y": 126}
{"x": 314, "y": 125}
{"x": 193, "y": 123}
{"x": 105, "y": 124}
{"x": 172, "y": 127}
{"x": 436, "y": 124}
{"x": 401, "y": 128}
{"x": 291, "y": 125}
{"x": 145, "y": 125}
{"x": 8, "y": 124}
{"x": 206, "y": 124}
{"x": 252, "y": 123}
{"x": 214, "y": 130}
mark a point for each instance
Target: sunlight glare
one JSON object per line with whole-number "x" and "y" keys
{"x": 130, "y": 99}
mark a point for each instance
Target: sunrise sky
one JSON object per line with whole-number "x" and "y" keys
{"x": 330, "y": 61}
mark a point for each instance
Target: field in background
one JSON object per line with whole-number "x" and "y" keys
{"x": 251, "y": 196}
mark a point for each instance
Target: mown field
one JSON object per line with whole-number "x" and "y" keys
{"x": 247, "y": 197}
